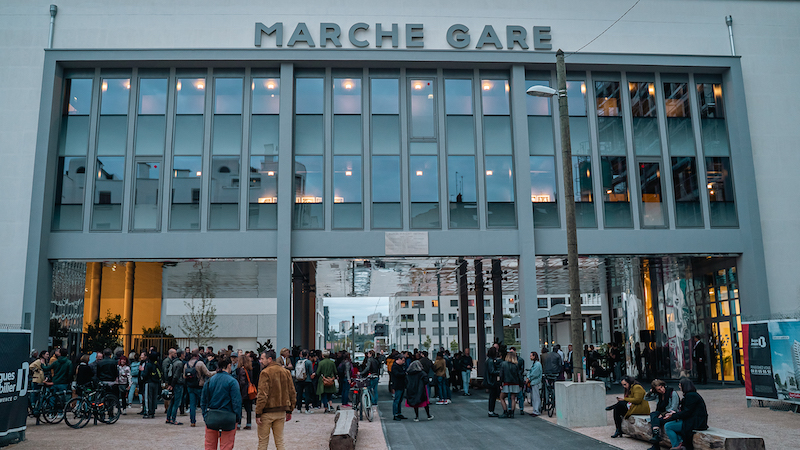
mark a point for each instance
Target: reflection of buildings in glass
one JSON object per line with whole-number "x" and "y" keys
{"x": 796, "y": 363}
{"x": 264, "y": 182}
{"x": 225, "y": 179}
{"x": 109, "y": 187}
{"x": 74, "y": 181}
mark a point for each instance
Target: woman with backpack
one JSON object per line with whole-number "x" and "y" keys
{"x": 195, "y": 373}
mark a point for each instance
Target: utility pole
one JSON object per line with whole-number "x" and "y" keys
{"x": 575, "y": 316}
{"x": 439, "y": 301}
{"x": 353, "y": 324}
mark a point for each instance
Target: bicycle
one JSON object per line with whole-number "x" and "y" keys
{"x": 549, "y": 394}
{"x": 48, "y": 405}
{"x": 362, "y": 398}
{"x": 95, "y": 403}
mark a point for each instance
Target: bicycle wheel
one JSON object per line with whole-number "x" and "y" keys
{"x": 53, "y": 411}
{"x": 76, "y": 413}
{"x": 367, "y": 402}
{"x": 551, "y": 403}
{"x": 110, "y": 409}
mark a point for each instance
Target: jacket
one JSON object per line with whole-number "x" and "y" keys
{"x": 37, "y": 372}
{"x": 639, "y": 406}
{"x": 492, "y": 371}
{"x": 509, "y": 373}
{"x": 694, "y": 415}
{"x": 668, "y": 402}
{"x": 177, "y": 373}
{"x": 399, "y": 376}
{"x": 440, "y": 367}
{"x": 371, "y": 367}
{"x": 107, "y": 370}
{"x": 150, "y": 373}
{"x": 243, "y": 376}
{"x": 535, "y": 374}
{"x": 551, "y": 363}
{"x": 416, "y": 380}
{"x": 62, "y": 370}
{"x": 221, "y": 392}
{"x": 326, "y": 368}
{"x": 276, "y": 391}
{"x": 466, "y": 363}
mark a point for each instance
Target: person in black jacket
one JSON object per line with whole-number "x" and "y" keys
{"x": 511, "y": 379}
{"x": 107, "y": 371}
{"x": 492, "y": 371}
{"x": 466, "y": 370}
{"x": 151, "y": 380}
{"x": 699, "y": 359}
{"x": 416, "y": 389}
{"x": 399, "y": 380}
{"x": 693, "y": 415}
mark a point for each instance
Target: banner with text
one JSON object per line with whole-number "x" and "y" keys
{"x": 772, "y": 360}
{"x": 14, "y": 348}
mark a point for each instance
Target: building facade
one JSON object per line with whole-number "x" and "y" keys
{"x": 370, "y": 131}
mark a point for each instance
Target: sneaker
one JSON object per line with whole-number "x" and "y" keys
{"x": 248, "y": 427}
{"x": 177, "y": 423}
{"x": 493, "y": 414}
{"x": 308, "y": 411}
{"x": 397, "y": 418}
{"x": 402, "y": 417}
{"x": 168, "y": 422}
{"x": 449, "y": 401}
{"x": 124, "y": 411}
{"x": 416, "y": 419}
{"x": 430, "y": 417}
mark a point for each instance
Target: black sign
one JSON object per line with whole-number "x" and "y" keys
{"x": 759, "y": 362}
{"x": 380, "y": 329}
{"x": 14, "y": 347}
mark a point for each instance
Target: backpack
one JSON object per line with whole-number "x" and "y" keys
{"x": 155, "y": 374}
{"x": 190, "y": 374}
{"x": 300, "y": 371}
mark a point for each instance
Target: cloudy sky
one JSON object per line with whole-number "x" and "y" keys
{"x": 345, "y": 307}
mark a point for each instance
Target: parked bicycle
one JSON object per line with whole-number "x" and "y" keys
{"x": 549, "y": 394}
{"x": 97, "y": 402}
{"x": 47, "y": 404}
{"x": 362, "y": 398}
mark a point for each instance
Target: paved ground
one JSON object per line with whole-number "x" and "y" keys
{"x": 464, "y": 425}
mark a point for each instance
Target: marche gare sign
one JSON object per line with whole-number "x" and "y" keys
{"x": 360, "y": 35}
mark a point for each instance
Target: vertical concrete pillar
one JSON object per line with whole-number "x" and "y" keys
{"x": 298, "y": 305}
{"x": 283, "y": 327}
{"x": 311, "y": 304}
{"x": 91, "y": 302}
{"x": 463, "y": 306}
{"x": 127, "y": 304}
{"x": 497, "y": 300}
{"x": 480, "y": 329}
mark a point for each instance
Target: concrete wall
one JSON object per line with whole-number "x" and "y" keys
{"x": 766, "y": 35}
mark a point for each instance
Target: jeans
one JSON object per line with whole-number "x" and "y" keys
{"x": 397, "y": 402}
{"x": 307, "y": 394}
{"x": 132, "y": 391}
{"x": 444, "y": 389}
{"x": 325, "y": 399}
{"x": 617, "y": 372}
{"x": 521, "y": 399}
{"x": 346, "y": 393}
{"x": 494, "y": 394}
{"x": 673, "y": 430}
{"x": 373, "y": 390}
{"x": 194, "y": 402}
{"x": 177, "y": 395}
{"x": 536, "y": 399}
{"x": 465, "y": 379}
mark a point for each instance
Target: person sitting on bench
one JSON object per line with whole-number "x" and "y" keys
{"x": 692, "y": 415}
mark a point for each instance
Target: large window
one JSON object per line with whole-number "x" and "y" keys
{"x": 187, "y": 162}
{"x": 347, "y": 150}
{"x": 613, "y": 160}
{"x": 264, "y": 140}
{"x": 112, "y": 134}
{"x": 498, "y": 153}
{"x": 73, "y": 147}
{"x": 149, "y": 151}
{"x": 226, "y": 149}
{"x": 460, "y": 123}
{"x": 541, "y": 146}
{"x": 716, "y": 150}
{"x": 309, "y": 147}
{"x": 581, "y": 155}
{"x": 681, "y": 145}
{"x": 423, "y": 155}
{"x": 385, "y": 133}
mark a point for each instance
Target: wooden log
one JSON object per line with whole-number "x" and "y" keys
{"x": 638, "y": 427}
{"x": 345, "y": 430}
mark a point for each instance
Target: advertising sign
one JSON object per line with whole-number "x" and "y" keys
{"x": 14, "y": 347}
{"x": 772, "y": 360}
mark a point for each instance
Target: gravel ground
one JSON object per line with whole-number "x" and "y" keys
{"x": 306, "y": 431}
{"x": 727, "y": 409}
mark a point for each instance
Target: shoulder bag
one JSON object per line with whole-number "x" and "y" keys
{"x": 252, "y": 391}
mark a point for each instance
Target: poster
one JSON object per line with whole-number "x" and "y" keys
{"x": 14, "y": 348}
{"x": 772, "y": 360}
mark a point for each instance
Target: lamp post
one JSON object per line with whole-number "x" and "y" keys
{"x": 576, "y": 317}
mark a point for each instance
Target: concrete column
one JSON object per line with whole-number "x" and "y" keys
{"x": 311, "y": 304}
{"x": 497, "y": 300}
{"x": 91, "y": 303}
{"x": 283, "y": 331}
{"x": 463, "y": 306}
{"x": 480, "y": 329}
{"x": 127, "y": 304}
{"x": 298, "y": 305}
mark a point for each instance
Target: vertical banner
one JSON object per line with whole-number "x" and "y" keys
{"x": 784, "y": 343}
{"x": 758, "y": 362}
{"x": 14, "y": 348}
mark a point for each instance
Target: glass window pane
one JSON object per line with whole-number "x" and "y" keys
{"x": 616, "y": 202}
{"x": 579, "y": 136}
{"x": 188, "y": 135}
{"x": 191, "y": 95}
{"x": 423, "y": 123}
{"x": 423, "y": 148}
{"x": 309, "y": 95}
{"x": 537, "y": 106}
{"x": 69, "y": 193}
{"x": 228, "y": 95}
{"x": 500, "y": 191}
{"x": 544, "y": 192}
{"x": 424, "y": 185}
{"x": 385, "y": 95}
{"x": 650, "y": 182}
{"x": 153, "y": 96}
{"x": 576, "y": 98}
{"x": 497, "y": 135}
{"x": 150, "y": 134}
{"x": 112, "y": 135}
{"x": 681, "y": 138}
{"x": 74, "y": 139}
{"x": 78, "y": 93}
{"x": 611, "y": 136}
{"x": 646, "y": 139}
{"x": 108, "y": 191}
{"x": 187, "y": 172}
{"x": 347, "y": 208}
{"x": 385, "y": 135}
{"x": 460, "y": 135}
{"x": 309, "y": 188}
{"x": 458, "y": 96}
{"x": 607, "y": 98}
{"x": 386, "y": 179}
{"x": 146, "y": 196}
{"x": 494, "y": 95}
{"x": 720, "y": 192}
{"x": 308, "y": 135}
{"x": 462, "y": 192}
{"x": 687, "y": 194}
{"x": 266, "y": 95}
{"x": 264, "y": 134}
{"x": 263, "y": 195}
{"x": 582, "y": 181}
{"x": 227, "y": 138}
{"x": 712, "y": 120}
{"x": 710, "y": 98}
{"x": 347, "y": 134}
{"x": 347, "y": 96}
{"x": 114, "y": 96}
{"x": 224, "y": 195}
{"x": 540, "y": 135}
{"x": 676, "y": 98}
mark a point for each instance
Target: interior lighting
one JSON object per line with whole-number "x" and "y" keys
{"x": 270, "y": 85}
{"x": 651, "y": 88}
{"x": 179, "y": 85}
{"x": 608, "y": 191}
{"x": 198, "y": 173}
{"x": 348, "y": 84}
{"x": 487, "y": 85}
{"x": 348, "y": 173}
{"x": 583, "y": 88}
{"x": 417, "y": 86}
{"x": 710, "y": 185}
{"x": 489, "y": 173}
{"x": 270, "y": 174}
{"x": 508, "y": 88}
{"x": 419, "y": 173}
{"x": 200, "y": 85}
{"x": 105, "y": 86}
{"x": 430, "y": 96}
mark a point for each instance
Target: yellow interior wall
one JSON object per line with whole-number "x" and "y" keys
{"x": 112, "y": 289}
{"x": 146, "y": 296}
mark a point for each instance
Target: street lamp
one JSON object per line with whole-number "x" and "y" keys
{"x": 576, "y": 317}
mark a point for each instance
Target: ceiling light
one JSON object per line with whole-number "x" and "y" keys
{"x": 270, "y": 174}
{"x": 419, "y": 173}
{"x": 489, "y": 173}
{"x": 179, "y": 85}
{"x": 105, "y": 86}
{"x": 348, "y": 173}
{"x": 583, "y": 88}
{"x": 651, "y": 88}
{"x": 199, "y": 173}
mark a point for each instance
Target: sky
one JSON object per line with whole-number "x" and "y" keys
{"x": 344, "y": 308}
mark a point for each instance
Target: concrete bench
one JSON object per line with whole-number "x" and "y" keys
{"x": 638, "y": 427}
{"x": 345, "y": 430}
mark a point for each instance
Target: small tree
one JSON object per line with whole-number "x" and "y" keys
{"x": 200, "y": 323}
{"x": 453, "y": 346}
{"x": 428, "y": 342}
{"x": 103, "y": 333}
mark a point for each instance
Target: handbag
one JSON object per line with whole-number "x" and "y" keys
{"x": 219, "y": 420}
{"x": 252, "y": 391}
{"x": 327, "y": 381}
